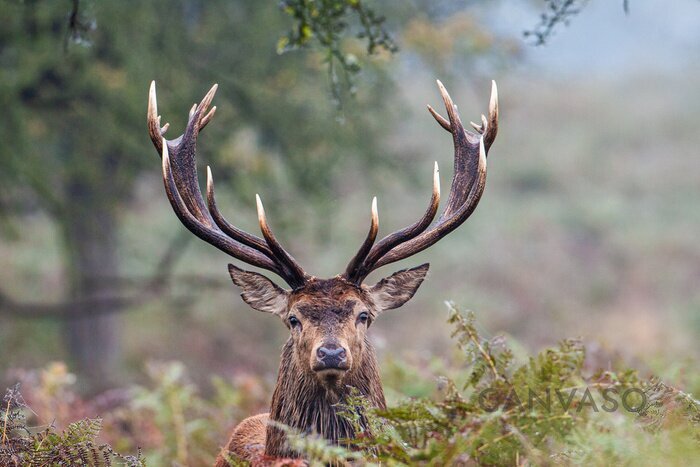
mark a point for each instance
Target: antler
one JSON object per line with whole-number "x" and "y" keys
{"x": 205, "y": 220}
{"x": 467, "y": 187}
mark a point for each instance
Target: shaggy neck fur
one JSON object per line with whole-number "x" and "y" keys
{"x": 303, "y": 403}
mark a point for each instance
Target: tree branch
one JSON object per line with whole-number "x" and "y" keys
{"x": 64, "y": 310}
{"x": 130, "y": 291}
{"x": 142, "y": 291}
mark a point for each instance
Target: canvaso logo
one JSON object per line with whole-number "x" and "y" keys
{"x": 568, "y": 399}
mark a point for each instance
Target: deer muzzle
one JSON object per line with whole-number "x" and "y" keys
{"x": 331, "y": 357}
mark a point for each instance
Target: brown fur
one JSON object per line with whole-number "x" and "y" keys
{"x": 247, "y": 441}
{"x": 301, "y": 401}
{"x": 306, "y": 399}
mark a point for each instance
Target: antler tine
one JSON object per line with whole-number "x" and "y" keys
{"x": 356, "y": 262}
{"x": 488, "y": 126}
{"x": 467, "y": 187}
{"x": 205, "y": 118}
{"x": 390, "y": 241}
{"x": 287, "y": 261}
{"x": 440, "y": 119}
{"x": 155, "y": 131}
{"x": 445, "y": 225}
{"x": 450, "y": 106}
{"x": 203, "y": 218}
{"x": 463, "y": 159}
{"x": 491, "y": 130}
{"x": 185, "y": 170}
{"x": 229, "y": 229}
{"x": 292, "y": 271}
{"x": 185, "y": 164}
{"x": 206, "y": 233}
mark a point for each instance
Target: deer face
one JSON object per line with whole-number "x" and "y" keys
{"x": 328, "y": 319}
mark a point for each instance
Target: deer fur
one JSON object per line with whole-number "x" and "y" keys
{"x": 328, "y": 351}
{"x": 302, "y": 399}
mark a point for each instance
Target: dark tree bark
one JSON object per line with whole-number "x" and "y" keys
{"x": 90, "y": 238}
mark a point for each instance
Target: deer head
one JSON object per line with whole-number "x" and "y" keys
{"x": 328, "y": 319}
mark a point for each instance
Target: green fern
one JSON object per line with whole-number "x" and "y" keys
{"x": 74, "y": 446}
{"x": 543, "y": 410}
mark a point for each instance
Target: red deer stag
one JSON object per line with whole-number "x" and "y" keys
{"x": 327, "y": 351}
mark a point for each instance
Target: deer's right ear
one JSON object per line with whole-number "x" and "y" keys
{"x": 395, "y": 290}
{"x": 259, "y": 292}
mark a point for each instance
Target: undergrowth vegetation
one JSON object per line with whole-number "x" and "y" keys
{"x": 493, "y": 409}
{"x": 21, "y": 445}
{"x": 542, "y": 411}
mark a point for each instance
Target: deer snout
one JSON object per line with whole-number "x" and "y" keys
{"x": 331, "y": 356}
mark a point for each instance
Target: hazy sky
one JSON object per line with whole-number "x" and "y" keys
{"x": 657, "y": 34}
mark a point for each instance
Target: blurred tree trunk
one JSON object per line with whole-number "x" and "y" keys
{"x": 90, "y": 236}
{"x": 74, "y": 137}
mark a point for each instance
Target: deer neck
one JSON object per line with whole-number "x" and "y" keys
{"x": 301, "y": 402}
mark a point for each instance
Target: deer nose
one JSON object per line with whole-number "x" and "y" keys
{"x": 331, "y": 355}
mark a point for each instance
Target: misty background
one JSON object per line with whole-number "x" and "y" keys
{"x": 588, "y": 225}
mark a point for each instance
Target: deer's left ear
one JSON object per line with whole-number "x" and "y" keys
{"x": 395, "y": 290}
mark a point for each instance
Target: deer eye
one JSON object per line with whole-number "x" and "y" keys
{"x": 294, "y": 321}
{"x": 363, "y": 317}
